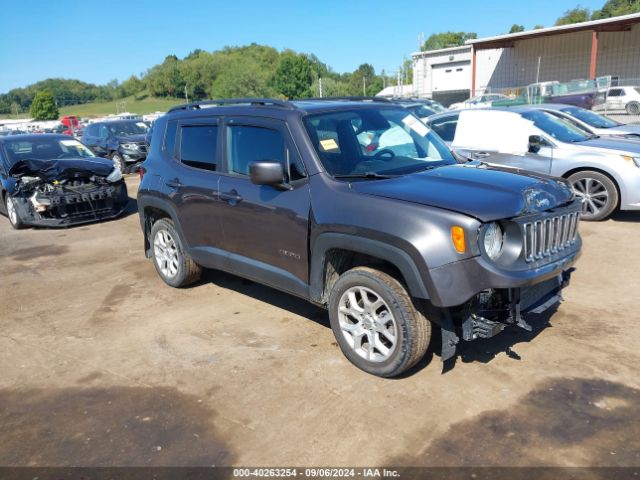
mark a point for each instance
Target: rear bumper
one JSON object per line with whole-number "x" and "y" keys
{"x": 456, "y": 283}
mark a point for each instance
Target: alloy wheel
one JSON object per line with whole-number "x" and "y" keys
{"x": 166, "y": 253}
{"x": 367, "y": 324}
{"x": 593, "y": 193}
{"x": 11, "y": 211}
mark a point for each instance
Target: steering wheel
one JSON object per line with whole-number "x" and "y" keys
{"x": 385, "y": 154}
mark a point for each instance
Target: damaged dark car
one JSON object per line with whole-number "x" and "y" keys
{"x": 56, "y": 181}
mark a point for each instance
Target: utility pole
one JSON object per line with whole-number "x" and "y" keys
{"x": 320, "y": 86}
{"x": 364, "y": 86}
{"x": 186, "y": 96}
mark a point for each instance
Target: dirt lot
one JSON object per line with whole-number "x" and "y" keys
{"x": 102, "y": 364}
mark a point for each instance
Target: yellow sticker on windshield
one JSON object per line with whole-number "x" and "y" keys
{"x": 329, "y": 144}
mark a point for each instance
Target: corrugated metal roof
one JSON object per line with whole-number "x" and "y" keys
{"x": 574, "y": 27}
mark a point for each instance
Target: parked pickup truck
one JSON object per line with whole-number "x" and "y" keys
{"x": 357, "y": 207}
{"x": 574, "y": 93}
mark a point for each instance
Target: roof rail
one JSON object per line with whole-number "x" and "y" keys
{"x": 347, "y": 99}
{"x": 235, "y": 101}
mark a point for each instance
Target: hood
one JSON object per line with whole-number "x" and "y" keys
{"x": 630, "y": 128}
{"x": 137, "y": 138}
{"x": 476, "y": 189}
{"x": 61, "y": 169}
{"x": 617, "y": 144}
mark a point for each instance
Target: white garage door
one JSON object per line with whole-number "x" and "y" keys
{"x": 451, "y": 76}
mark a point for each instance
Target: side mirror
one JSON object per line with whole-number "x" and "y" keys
{"x": 535, "y": 142}
{"x": 268, "y": 173}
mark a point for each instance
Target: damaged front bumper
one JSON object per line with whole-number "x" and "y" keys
{"x": 493, "y": 310}
{"x": 82, "y": 202}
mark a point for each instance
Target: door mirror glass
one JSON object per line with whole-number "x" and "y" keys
{"x": 267, "y": 173}
{"x": 535, "y": 143}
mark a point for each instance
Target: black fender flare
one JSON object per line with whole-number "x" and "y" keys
{"x": 165, "y": 206}
{"x": 384, "y": 251}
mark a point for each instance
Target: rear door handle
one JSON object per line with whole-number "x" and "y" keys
{"x": 175, "y": 183}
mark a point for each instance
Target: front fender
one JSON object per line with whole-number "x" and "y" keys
{"x": 394, "y": 255}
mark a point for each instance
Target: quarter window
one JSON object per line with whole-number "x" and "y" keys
{"x": 198, "y": 146}
{"x": 169, "y": 144}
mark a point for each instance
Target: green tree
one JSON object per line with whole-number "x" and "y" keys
{"x": 447, "y": 39}
{"x": 240, "y": 77}
{"x": 515, "y": 28}
{"x": 575, "y": 15}
{"x": 538, "y": 27}
{"x": 44, "y": 106}
{"x": 615, "y": 8}
{"x": 294, "y": 76}
{"x": 132, "y": 86}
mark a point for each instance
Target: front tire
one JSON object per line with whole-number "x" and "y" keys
{"x": 599, "y": 193}
{"x": 172, "y": 263}
{"x": 118, "y": 161}
{"x": 376, "y": 324}
{"x": 12, "y": 213}
{"x": 633, "y": 108}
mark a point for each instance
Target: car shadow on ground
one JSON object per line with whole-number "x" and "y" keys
{"x": 626, "y": 216}
{"x": 107, "y": 426}
{"x": 265, "y": 294}
{"x": 563, "y": 421}
{"x": 481, "y": 350}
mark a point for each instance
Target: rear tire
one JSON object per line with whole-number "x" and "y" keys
{"x": 633, "y": 108}
{"x": 600, "y": 195}
{"x": 376, "y": 324}
{"x": 12, "y": 213}
{"x": 173, "y": 264}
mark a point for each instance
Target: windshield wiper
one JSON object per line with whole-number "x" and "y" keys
{"x": 372, "y": 175}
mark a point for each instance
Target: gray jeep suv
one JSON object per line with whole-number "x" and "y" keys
{"x": 359, "y": 208}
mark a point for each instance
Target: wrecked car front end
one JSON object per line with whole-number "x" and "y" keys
{"x": 59, "y": 193}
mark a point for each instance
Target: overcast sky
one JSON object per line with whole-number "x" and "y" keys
{"x": 97, "y": 41}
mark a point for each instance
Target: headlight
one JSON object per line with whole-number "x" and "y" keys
{"x": 633, "y": 160}
{"x": 115, "y": 175}
{"x": 129, "y": 146}
{"x": 493, "y": 240}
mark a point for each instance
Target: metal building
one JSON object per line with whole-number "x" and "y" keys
{"x": 444, "y": 75}
{"x": 608, "y": 47}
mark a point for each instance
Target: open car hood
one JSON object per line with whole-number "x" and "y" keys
{"x": 476, "y": 189}
{"x": 61, "y": 168}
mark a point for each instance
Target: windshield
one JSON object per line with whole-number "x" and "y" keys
{"x": 123, "y": 129}
{"x": 557, "y": 128}
{"x": 421, "y": 111}
{"x": 591, "y": 118}
{"x": 375, "y": 141}
{"x": 43, "y": 148}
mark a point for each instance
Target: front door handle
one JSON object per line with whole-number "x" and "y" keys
{"x": 231, "y": 197}
{"x": 481, "y": 154}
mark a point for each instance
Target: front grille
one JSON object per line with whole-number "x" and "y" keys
{"x": 545, "y": 237}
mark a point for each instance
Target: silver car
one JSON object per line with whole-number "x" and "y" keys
{"x": 605, "y": 172}
{"x": 591, "y": 121}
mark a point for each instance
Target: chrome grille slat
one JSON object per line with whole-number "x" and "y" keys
{"x": 543, "y": 238}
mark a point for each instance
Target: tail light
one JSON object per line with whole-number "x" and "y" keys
{"x": 371, "y": 147}
{"x": 142, "y": 171}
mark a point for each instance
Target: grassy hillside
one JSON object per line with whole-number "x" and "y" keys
{"x": 142, "y": 106}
